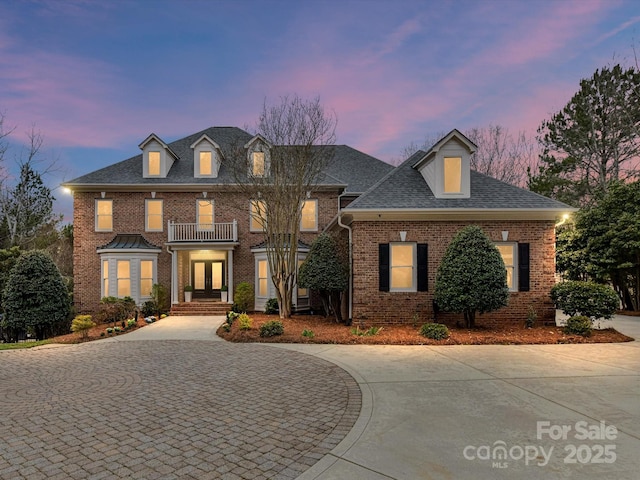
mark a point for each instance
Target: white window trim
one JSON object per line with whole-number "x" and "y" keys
{"x": 134, "y": 274}
{"x": 146, "y": 215}
{"x": 315, "y": 227}
{"x": 414, "y": 280}
{"x": 514, "y": 275}
{"x": 98, "y": 200}
{"x": 270, "y": 289}
{"x": 213, "y": 214}
{"x": 148, "y": 164}
{"x": 255, "y": 218}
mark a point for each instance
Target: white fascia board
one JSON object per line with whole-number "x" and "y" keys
{"x": 391, "y": 214}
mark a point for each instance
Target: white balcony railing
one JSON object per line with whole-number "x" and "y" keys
{"x": 198, "y": 232}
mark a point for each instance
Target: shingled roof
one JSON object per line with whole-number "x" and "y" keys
{"x": 405, "y": 188}
{"x": 350, "y": 168}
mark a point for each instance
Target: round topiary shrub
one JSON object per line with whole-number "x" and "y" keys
{"x": 590, "y": 299}
{"x": 272, "y": 328}
{"x": 243, "y": 297}
{"x": 434, "y": 331}
{"x": 36, "y": 296}
{"x": 244, "y": 322}
{"x": 579, "y": 325}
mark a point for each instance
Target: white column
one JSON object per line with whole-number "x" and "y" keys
{"x": 230, "y": 274}
{"x": 174, "y": 277}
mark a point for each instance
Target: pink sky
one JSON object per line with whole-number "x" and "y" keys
{"x": 97, "y": 78}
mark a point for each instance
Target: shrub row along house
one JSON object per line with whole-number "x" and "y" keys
{"x": 174, "y": 215}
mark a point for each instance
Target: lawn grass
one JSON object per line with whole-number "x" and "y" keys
{"x": 15, "y": 346}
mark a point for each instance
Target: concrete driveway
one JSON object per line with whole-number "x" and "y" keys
{"x": 219, "y": 410}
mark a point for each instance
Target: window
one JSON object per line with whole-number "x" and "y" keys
{"x": 309, "y": 220}
{"x": 154, "y": 220}
{"x": 104, "y": 215}
{"x": 263, "y": 280}
{"x": 105, "y": 278}
{"x": 205, "y": 214}
{"x": 257, "y": 164}
{"x": 146, "y": 277}
{"x": 402, "y": 266}
{"x": 509, "y": 257}
{"x": 206, "y": 167}
{"x": 302, "y": 292}
{"x": 258, "y": 215}
{"x": 154, "y": 164}
{"x": 124, "y": 278}
{"x": 452, "y": 174}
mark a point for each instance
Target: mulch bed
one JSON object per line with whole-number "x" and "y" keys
{"x": 326, "y": 330}
{"x": 95, "y": 333}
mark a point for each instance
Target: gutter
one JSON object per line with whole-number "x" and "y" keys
{"x": 350, "y": 230}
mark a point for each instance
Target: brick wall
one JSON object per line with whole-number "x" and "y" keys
{"x": 129, "y": 217}
{"x": 372, "y": 306}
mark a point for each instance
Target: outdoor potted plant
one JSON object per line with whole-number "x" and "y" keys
{"x": 224, "y": 294}
{"x": 188, "y": 291}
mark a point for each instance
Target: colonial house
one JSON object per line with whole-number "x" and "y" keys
{"x": 174, "y": 215}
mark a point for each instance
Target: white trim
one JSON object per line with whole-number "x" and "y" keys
{"x": 134, "y": 260}
{"x": 104, "y": 200}
{"x": 146, "y": 214}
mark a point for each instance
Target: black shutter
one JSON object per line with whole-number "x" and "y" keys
{"x": 423, "y": 268}
{"x": 523, "y": 267}
{"x": 383, "y": 266}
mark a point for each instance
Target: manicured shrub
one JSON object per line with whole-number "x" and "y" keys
{"x": 115, "y": 310}
{"x": 271, "y": 329}
{"x": 590, "y": 299}
{"x": 243, "y": 297}
{"x": 148, "y": 308}
{"x": 308, "y": 333}
{"x": 579, "y": 325}
{"x": 472, "y": 276}
{"x": 434, "y": 331}
{"x": 231, "y": 317}
{"x": 271, "y": 306}
{"x": 244, "y": 322}
{"x": 82, "y": 324}
{"x": 36, "y": 297}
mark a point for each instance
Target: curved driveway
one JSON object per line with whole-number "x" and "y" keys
{"x": 169, "y": 401}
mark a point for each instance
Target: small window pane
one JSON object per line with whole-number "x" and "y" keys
{"x": 124, "y": 279}
{"x": 205, "y": 214}
{"x": 309, "y": 215}
{"x": 105, "y": 278}
{"x": 104, "y": 215}
{"x": 205, "y": 163}
{"x": 257, "y": 167}
{"x": 508, "y": 257}
{"x": 154, "y": 163}
{"x": 452, "y": 174}
{"x": 154, "y": 215}
{"x": 302, "y": 292}
{"x": 262, "y": 278}
{"x": 258, "y": 214}
{"x": 402, "y": 266}
{"x": 402, "y": 277}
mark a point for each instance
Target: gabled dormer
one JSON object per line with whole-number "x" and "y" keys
{"x": 207, "y": 158}
{"x": 447, "y": 166}
{"x": 258, "y": 156}
{"x": 157, "y": 157}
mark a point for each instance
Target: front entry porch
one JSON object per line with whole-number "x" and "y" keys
{"x": 209, "y": 271}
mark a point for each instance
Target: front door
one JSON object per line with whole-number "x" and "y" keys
{"x": 207, "y": 278}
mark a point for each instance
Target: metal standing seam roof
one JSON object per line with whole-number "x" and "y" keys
{"x": 128, "y": 241}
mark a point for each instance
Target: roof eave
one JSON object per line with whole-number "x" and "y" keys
{"x": 443, "y": 214}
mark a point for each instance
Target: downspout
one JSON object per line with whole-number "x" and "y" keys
{"x": 349, "y": 229}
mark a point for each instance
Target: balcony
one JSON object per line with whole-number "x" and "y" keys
{"x": 194, "y": 232}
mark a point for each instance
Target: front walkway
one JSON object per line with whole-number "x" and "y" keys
{"x": 145, "y": 405}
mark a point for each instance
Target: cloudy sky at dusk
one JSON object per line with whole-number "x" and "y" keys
{"x": 97, "y": 77}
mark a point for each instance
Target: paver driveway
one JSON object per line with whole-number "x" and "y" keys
{"x": 169, "y": 409}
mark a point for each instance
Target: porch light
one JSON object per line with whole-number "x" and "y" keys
{"x": 565, "y": 217}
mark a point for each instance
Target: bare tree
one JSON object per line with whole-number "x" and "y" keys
{"x": 500, "y": 154}
{"x": 295, "y": 143}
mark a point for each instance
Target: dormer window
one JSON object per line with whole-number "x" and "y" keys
{"x": 257, "y": 164}
{"x": 157, "y": 157}
{"x": 207, "y": 157}
{"x": 446, "y": 167}
{"x": 154, "y": 164}
{"x": 205, "y": 164}
{"x": 452, "y": 174}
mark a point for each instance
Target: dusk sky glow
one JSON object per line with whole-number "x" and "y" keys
{"x": 96, "y": 78}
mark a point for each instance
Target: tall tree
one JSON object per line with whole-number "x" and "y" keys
{"x": 606, "y": 242}
{"x": 300, "y": 135}
{"x": 593, "y": 141}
